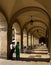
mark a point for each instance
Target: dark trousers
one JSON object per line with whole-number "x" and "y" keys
{"x": 11, "y": 54}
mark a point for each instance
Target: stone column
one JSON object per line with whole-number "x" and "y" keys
{"x": 21, "y": 40}
{"x": 9, "y": 38}
{"x": 47, "y": 38}
{"x": 49, "y": 43}
{"x": 31, "y": 41}
{"x": 15, "y": 37}
{"x": 27, "y": 39}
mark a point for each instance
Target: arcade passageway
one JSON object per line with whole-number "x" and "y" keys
{"x": 29, "y": 22}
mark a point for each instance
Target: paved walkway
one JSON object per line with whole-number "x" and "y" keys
{"x": 39, "y": 54}
{"x": 29, "y": 58}
{"x": 15, "y": 62}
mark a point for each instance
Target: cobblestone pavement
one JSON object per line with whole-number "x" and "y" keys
{"x": 15, "y": 62}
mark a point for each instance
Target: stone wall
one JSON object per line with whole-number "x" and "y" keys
{"x": 3, "y": 43}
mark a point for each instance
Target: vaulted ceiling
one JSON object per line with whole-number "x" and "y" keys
{"x": 22, "y": 10}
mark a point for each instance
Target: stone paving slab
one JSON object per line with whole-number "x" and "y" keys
{"x": 12, "y": 62}
{"x": 36, "y": 51}
{"x": 40, "y": 49}
{"x": 34, "y": 55}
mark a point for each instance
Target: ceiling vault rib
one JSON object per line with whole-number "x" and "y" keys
{"x": 35, "y": 21}
{"x": 37, "y": 32}
{"x": 40, "y": 33}
{"x": 3, "y": 12}
{"x": 31, "y": 8}
{"x": 35, "y": 27}
{"x": 15, "y": 21}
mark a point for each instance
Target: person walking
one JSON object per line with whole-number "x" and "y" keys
{"x": 17, "y": 51}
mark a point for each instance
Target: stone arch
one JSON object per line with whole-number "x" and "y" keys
{"x": 30, "y": 9}
{"x": 12, "y": 21}
{"x": 34, "y": 22}
{"x": 35, "y": 27}
{"x": 35, "y": 31}
{"x": 16, "y": 34}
